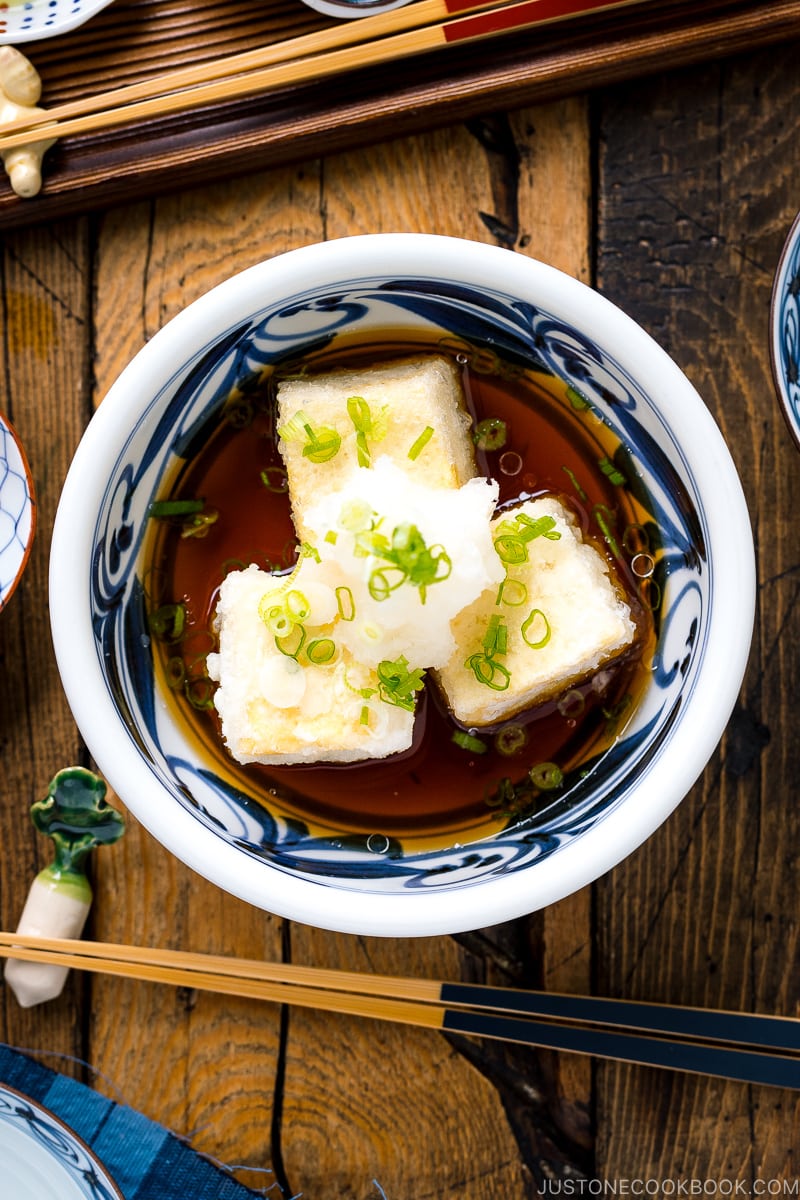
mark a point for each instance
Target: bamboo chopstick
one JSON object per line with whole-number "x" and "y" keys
{"x": 420, "y": 27}
{"x": 742, "y": 1046}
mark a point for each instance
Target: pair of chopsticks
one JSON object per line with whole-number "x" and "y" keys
{"x": 421, "y": 26}
{"x": 747, "y": 1047}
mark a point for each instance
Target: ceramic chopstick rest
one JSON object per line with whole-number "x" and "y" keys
{"x": 20, "y": 90}
{"x": 77, "y": 818}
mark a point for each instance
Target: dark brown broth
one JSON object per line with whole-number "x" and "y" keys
{"x": 437, "y": 789}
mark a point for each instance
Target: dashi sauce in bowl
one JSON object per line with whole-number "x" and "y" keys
{"x": 470, "y": 825}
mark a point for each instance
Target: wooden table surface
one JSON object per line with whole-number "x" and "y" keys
{"x": 672, "y": 195}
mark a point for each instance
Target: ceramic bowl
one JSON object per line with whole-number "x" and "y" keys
{"x": 785, "y": 330}
{"x": 42, "y": 1157}
{"x": 243, "y": 834}
{"x": 17, "y": 511}
{"x": 348, "y": 10}
{"x": 33, "y": 20}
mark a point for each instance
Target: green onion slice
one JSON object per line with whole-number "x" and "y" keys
{"x": 495, "y": 639}
{"x": 490, "y": 434}
{"x": 292, "y": 643}
{"x": 168, "y": 622}
{"x": 345, "y": 603}
{"x": 320, "y": 651}
{"x": 511, "y": 549}
{"x": 536, "y": 616}
{"x": 467, "y": 742}
{"x": 510, "y": 740}
{"x": 488, "y": 672}
{"x": 421, "y": 442}
{"x": 612, "y": 472}
{"x": 322, "y": 444}
{"x": 176, "y": 508}
{"x": 546, "y": 776}
{"x": 512, "y": 592}
{"x": 274, "y": 480}
{"x": 398, "y": 684}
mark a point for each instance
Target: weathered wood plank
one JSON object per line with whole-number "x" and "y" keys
{"x": 44, "y": 376}
{"x": 699, "y": 179}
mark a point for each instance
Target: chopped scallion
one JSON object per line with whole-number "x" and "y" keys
{"x": 345, "y": 603}
{"x": 168, "y": 622}
{"x": 274, "y": 480}
{"x": 536, "y": 616}
{"x": 490, "y": 434}
{"x": 398, "y": 684}
{"x": 320, "y": 651}
{"x": 546, "y": 776}
{"x": 512, "y": 592}
{"x": 613, "y": 474}
{"x": 467, "y": 742}
{"x": 421, "y": 442}
{"x": 488, "y": 672}
{"x": 292, "y": 643}
{"x": 176, "y": 508}
{"x": 510, "y": 740}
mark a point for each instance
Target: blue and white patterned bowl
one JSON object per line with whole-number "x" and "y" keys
{"x": 32, "y": 20}
{"x": 42, "y": 1158}
{"x": 160, "y": 409}
{"x": 785, "y": 330}
{"x": 17, "y": 511}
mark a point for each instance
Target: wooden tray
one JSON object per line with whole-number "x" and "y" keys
{"x": 135, "y": 39}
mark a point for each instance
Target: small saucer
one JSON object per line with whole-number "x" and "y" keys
{"x": 32, "y": 20}
{"x": 17, "y": 511}
{"x": 784, "y": 340}
{"x": 348, "y": 9}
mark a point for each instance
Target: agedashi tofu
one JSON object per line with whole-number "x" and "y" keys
{"x": 324, "y": 664}
{"x": 279, "y": 704}
{"x": 405, "y": 569}
{"x": 556, "y": 618}
{"x": 410, "y": 410}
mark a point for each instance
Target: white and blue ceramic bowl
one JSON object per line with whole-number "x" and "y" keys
{"x": 33, "y": 20}
{"x": 785, "y": 330}
{"x": 161, "y": 408}
{"x": 43, "y": 1158}
{"x": 17, "y": 511}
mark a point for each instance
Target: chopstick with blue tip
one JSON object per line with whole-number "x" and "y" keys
{"x": 419, "y": 27}
{"x": 748, "y": 1047}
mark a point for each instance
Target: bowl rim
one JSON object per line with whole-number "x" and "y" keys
{"x": 775, "y": 306}
{"x": 622, "y": 829}
{"x": 26, "y": 553}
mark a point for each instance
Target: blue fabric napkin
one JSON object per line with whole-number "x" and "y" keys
{"x": 145, "y": 1160}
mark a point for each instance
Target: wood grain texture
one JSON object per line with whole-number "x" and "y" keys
{"x": 45, "y": 326}
{"x": 698, "y": 184}
{"x": 133, "y": 39}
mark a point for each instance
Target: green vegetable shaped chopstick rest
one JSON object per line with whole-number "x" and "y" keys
{"x": 77, "y": 818}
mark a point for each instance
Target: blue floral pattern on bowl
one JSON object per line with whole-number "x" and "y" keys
{"x": 31, "y": 20}
{"x": 785, "y": 330}
{"x": 43, "y": 1155}
{"x": 177, "y": 421}
{"x": 17, "y": 511}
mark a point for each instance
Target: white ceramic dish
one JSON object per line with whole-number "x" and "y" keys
{"x": 17, "y": 511}
{"x": 785, "y": 330}
{"x": 245, "y": 836}
{"x": 33, "y": 20}
{"x": 42, "y": 1159}
{"x": 347, "y": 10}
